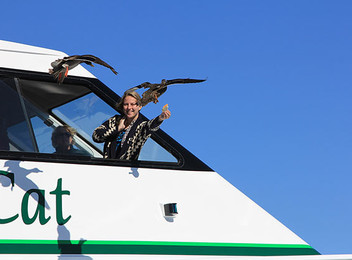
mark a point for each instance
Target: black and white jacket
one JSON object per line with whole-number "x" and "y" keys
{"x": 132, "y": 143}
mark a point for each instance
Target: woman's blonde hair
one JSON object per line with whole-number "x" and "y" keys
{"x": 133, "y": 94}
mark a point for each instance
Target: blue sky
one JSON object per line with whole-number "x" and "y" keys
{"x": 273, "y": 117}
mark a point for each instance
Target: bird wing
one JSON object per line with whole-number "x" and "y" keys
{"x": 183, "y": 81}
{"x": 143, "y": 85}
{"x": 69, "y": 62}
{"x": 73, "y": 57}
{"x": 167, "y": 82}
{"x": 156, "y": 90}
{"x": 91, "y": 58}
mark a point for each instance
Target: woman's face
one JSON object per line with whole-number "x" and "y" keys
{"x": 130, "y": 107}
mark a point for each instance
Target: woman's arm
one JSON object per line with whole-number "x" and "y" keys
{"x": 154, "y": 124}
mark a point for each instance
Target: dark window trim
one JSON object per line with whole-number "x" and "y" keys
{"x": 28, "y": 121}
{"x": 187, "y": 161}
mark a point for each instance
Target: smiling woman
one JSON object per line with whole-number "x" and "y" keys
{"x": 124, "y": 136}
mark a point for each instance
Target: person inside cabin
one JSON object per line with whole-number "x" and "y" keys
{"x": 124, "y": 135}
{"x": 62, "y": 140}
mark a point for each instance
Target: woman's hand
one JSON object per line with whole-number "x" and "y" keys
{"x": 165, "y": 115}
{"x": 121, "y": 125}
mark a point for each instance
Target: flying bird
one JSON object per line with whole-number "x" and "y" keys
{"x": 156, "y": 90}
{"x": 62, "y": 66}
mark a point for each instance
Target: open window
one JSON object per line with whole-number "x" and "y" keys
{"x": 31, "y": 110}
{"x": 89, "y": 111}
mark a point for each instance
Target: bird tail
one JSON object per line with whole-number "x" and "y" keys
{"x": 57, "y": 75}
{"x": 60, "y": 77}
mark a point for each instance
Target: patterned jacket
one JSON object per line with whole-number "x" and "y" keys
{"x": 132, "y": 143}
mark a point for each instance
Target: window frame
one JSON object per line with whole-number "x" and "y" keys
{"x": 186, "y": 160}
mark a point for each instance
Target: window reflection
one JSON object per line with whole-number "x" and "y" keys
{"x": 14, "y": 130}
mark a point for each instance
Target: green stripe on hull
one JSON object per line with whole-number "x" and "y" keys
{"x": 150, "y": 247}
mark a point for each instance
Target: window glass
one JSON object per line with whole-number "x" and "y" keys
{"x": 152, "y": 151}
{"x": 14, "y": 130}
{"x": 88, "y": 112}
{"x": 85, "y": 114}
{"x": 50, "y": 105}
{"x": 39, "y": 98}
{"x": 42, "y": 134}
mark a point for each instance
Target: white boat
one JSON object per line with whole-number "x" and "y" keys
{"x": 166, "y": 205}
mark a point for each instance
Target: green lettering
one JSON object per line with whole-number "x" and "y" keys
{"x": 11, "y": 176}
{"x": 8, "y": 220}
{"x": 59, "y": 212}
{"x": 39, "y": 211}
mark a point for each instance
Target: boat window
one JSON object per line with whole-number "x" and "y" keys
{"x": 88, "y": 112}
{"x": 50, "y": 105}
{"x": 85, "y": 114}
{"x": 152, "y": 151}
{"x": 14, "y": 130}
{"x": 38, "y": 99}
